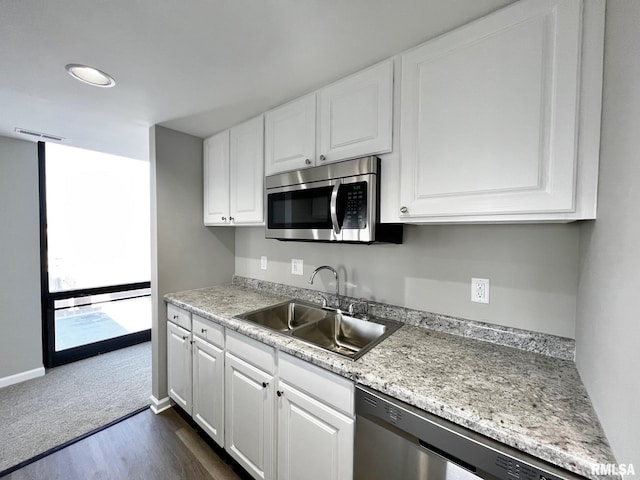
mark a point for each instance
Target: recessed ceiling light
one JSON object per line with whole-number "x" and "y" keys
{"x": 90, "y": 75}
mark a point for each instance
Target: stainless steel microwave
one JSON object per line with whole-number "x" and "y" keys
{"x": 338, "y": 202}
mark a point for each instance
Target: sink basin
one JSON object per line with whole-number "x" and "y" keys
{"x": 342, "y": 334}
{"x": 329, "y": 329}
{"x": 286, "y": 316}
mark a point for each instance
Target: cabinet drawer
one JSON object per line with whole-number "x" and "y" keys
{"x": 327, "y": 387}
{"x": 251, "y": 351}
{"x": 209, "y": 331}
{"x": 179, "y": 316}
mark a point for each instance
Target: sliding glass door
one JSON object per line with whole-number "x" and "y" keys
{"x": 95, "y": 247}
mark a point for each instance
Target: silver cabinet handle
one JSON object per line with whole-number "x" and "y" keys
{"x": 265, "y": 384}
{"x": 175, "y": 317}
{"x": 231, "y": 219}
{"x": 202, "y": 330}
{"x": 279, "y": 393}
{"x": 224, "y": 219}
{"x": 404, "y": 210}
{"x": 185, "y": 337}
{"x": 323, "y": 158}
{"x": 307, "y": 162}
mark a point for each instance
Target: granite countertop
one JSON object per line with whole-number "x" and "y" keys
{"x": 529, "y": 401}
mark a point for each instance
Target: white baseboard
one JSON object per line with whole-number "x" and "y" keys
{"x": 158, "y": 406}
{"x": 21, "y": 377}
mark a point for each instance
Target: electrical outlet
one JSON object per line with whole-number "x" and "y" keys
{"x": 263, "y": 262}
{"x": 480, "y": 290}
{"x": 297, "y": 266}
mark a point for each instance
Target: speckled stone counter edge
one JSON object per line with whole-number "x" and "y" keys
{"x": 544, "y": 344}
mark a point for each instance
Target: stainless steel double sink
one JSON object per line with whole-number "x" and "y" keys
{"x": 332, "y": 330}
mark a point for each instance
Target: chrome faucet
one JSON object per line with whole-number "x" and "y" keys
{"x": 327, "y": 267}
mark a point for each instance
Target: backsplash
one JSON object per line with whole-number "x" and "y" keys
{"x": 533, "y": 270}
{"x": 544, "y": 344}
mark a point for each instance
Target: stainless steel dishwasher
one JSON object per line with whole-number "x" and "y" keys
{"x": 396, "y": 441}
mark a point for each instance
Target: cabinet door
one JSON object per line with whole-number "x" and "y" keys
{"x": 290, "y": 136}
{"x": 489, "y": 115}
{"x": 208, "y": 389}
{"x": 179, "y": 365}
{"x": 246, "y": 172}
{"x": 315, "y": 442}
{"x": 249, "y": 417}
{"x": 355, "y": 117}
{"x": 216, "y": 179}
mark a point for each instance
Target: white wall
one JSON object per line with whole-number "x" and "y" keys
{"x": 184, "y": 253}
{"x": 21, "y": 321}
{"x": 608, "y": 327}
{"x": 533, "y": 270}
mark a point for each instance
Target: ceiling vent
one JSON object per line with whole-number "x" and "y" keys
{"x": 43, "y": 136}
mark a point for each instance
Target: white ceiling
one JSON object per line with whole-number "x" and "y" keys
{"x": 197, "y": 66}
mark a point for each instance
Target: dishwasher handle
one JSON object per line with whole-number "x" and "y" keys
{"x": 446, "y": 456}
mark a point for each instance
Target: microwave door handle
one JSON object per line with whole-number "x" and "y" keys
{"x": 334, "y": 207}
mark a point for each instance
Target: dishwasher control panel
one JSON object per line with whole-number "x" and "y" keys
{"x": 509, "y": 468}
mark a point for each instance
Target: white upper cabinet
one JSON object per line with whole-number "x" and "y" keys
{"x": 234, "y": 175}
{"x": 353, "y": 118}
{"x": 216, "y": 179}
{"x": 491, "y": 116}
{"x": 355, "y": 115}
{"x": 290, "y": 136}
{"x": 246, "y": 172}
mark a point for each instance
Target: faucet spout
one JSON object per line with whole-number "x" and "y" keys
{"x": 335, "y": 274}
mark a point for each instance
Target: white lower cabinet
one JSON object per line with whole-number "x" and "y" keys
{"x": 315, "y": 422}
{"x": 294, "y": 421}
{"x": 249, "y": 417}
{"x": 250, "y": 403}
{"x": 179, "y": 365}
{"x": 278, "y": 416}
{"x": 195, "y": 369}
{"x": 315, "y": 442}
{"x": 208, "y": 389}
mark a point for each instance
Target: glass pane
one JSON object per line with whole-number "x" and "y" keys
{"x": 300, "y": 208}
{"x": 75, "y": 326}
{"x": 98, "y": 219}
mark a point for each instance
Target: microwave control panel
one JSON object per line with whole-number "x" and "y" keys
{"x": 354, "y": 198}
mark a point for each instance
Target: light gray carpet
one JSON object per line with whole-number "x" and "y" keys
{"x": 72, "y": 400}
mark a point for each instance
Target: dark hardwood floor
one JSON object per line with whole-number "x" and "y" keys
{"x": 145, "y": 447}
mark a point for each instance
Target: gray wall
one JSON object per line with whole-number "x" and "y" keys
{"x": 608, "y": 329}
{"x": 184, "y": 253}
{"x": 21, "y": 338}
{"x": 533, "y": 270}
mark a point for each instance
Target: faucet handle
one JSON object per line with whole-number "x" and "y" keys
{"x": 324, "y": 300}
{"x": 364, "y": 313}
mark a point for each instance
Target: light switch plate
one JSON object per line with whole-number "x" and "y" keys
{"x": 263, "y": 262}
{"x": 297, "y": 266}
